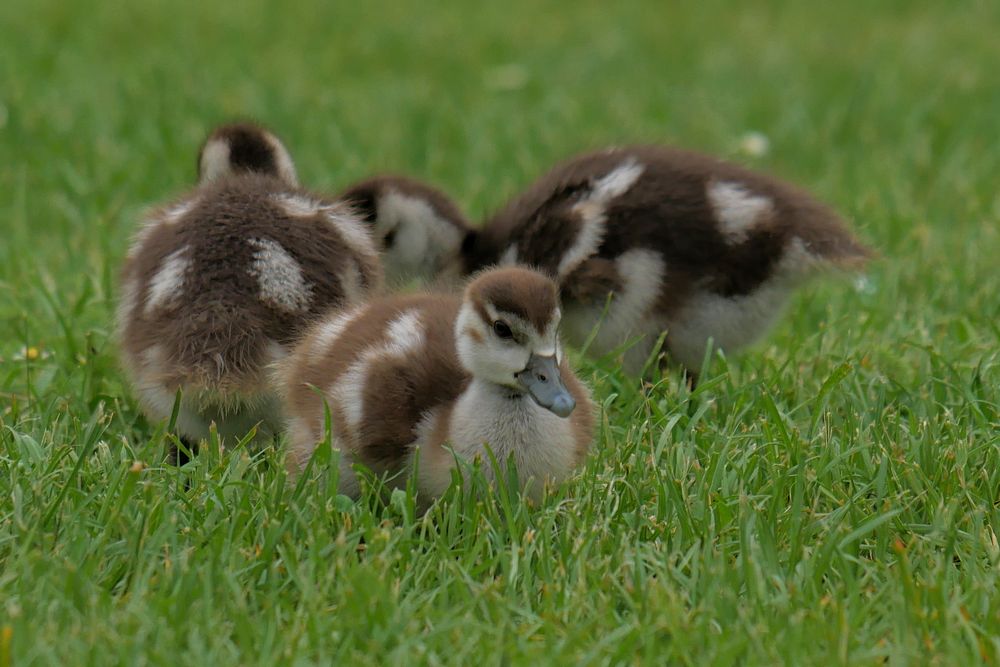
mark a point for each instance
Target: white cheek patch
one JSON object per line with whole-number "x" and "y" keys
{"x": 352, "y": 283}
{"x": 168, "y": 281}
{"x": 737, "y": 209}
{"x": 286, "y": 168}
{"x": 465, "y": 346}
{"x": 215, "y": 160}
{"x": 406, "y": 257}
{"x": 592, "y": 211}
{"x": 490, "y": 359}
{"x": 279, "y": 276}
{"x": 424, "y": 240}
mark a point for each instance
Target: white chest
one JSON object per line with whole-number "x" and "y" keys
{"x": 541, "y": 444}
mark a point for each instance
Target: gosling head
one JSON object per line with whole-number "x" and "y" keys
{"x": 419, "y": 229}
{"x": 507, "y": 334}
{"x": 241, "y": 148}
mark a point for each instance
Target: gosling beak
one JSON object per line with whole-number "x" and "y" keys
{"x": 542, "y": 380}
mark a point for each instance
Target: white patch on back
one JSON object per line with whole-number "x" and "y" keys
{"x": 275, "y": 352}
{"x": 349, "y": 391}
{"x": 617, "y": 182}
{"x": 405, "y": 335}
{"x": 424, "y": 241}
{"x": 168, "y": 282}
{"x": 296, "y": 206}
{"x": 592, "y": 211}
{"x": 328, "y": 331}
{"x": 279, "y": 276}
{"x": 352, "y": 230}
{"x": 737, "y": 209}
{"x": 178, "y": 211}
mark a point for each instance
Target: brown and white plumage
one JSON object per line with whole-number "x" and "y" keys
{"x": 413, "y": 374}
{"x": 683, "y": 244}
{"x": 648, "y": 240}
{"x": 418, "y": 228}
{"x": 219, "y": 284}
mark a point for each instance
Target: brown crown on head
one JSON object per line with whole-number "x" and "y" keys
{"x": 521, "y": 292}
{"x": 244, "y": 148}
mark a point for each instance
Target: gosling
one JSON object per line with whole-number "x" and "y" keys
{"x": 650, "y": 241}
{"x": 219, "y": 284}
{"x": 412, "y": 382}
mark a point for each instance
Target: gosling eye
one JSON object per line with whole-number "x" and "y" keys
{"x": 502, "y": 330}
{"x": 389, "y": 238}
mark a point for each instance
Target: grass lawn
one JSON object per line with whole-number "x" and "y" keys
{"x": 828, "y": 497}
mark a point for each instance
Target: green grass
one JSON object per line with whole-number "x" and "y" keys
{"x": 828, "y": 497}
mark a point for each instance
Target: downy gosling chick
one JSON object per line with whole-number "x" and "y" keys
{"x": 220, "y": 283}
{"x": 416, "y": 226}
{"x": 650, "y": 240}
{"x": 410, "y": 376}
{"x": 647, "y": 241}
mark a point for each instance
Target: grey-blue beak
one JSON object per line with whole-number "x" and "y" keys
{"x": 542, "y": 380}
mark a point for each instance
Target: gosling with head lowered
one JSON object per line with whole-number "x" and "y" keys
{"x": 647, "y": 241}
{"x": 220, "y": 283}
{"x": 416, "y": 226}
{"x": 430, "y": 377}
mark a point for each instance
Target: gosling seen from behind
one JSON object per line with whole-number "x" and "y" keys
{"x": 220, "y": 283}
{"x": 434, "y": 376}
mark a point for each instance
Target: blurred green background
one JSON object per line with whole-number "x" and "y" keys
{"x": 889, "y": 111}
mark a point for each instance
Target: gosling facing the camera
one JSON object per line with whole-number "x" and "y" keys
{"x": 437, "y": 376}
